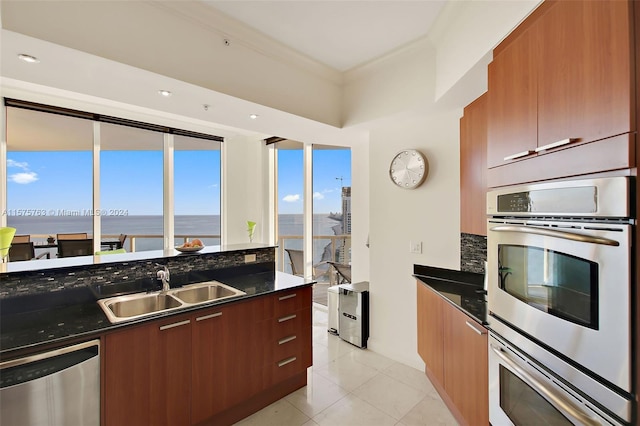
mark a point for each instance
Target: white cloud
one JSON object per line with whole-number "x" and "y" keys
{"x": 291, "y": 198}
{"x": 317, "y": 196}
{"x": 24, "y": 178}
{"x": 13, "y": 163}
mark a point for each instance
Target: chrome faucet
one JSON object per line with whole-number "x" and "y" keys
{"x": 164, "y": 276}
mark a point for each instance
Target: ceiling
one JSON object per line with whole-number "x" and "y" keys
{"x": 341, "y": 34}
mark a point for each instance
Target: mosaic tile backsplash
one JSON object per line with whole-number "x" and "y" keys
{"x": 53, "y": 280}
{"x": 473, "y": 253}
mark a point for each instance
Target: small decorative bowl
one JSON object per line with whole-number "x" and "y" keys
{"x": 189, "y": 249}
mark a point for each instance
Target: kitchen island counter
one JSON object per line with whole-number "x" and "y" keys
{"x": 58, "y": 318}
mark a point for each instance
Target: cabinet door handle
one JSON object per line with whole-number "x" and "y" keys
{"x": 289, "y": 296}
{"x": 286, "y": 340}
{"x": 206, "y": 317}
{"x": 471, "y": 326}
{"x": 518, "y": 155}
{"x": 555, "y": 144}
{"x": 287, "y": 361}
{"x": 287, "y": 318}
{"x": 175, "y": 324}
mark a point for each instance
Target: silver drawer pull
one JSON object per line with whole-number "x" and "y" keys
{"x": 175, "y": 324}
{"x": 287, "y": 318}
{"x": 518, "y": 155}
{"x": 289, "y": 296}
{"x": 287, "y": 361}
{"x": 471, "y": 326}
{"x": 206, "y": 317}
{"x": 555, "y": 144}
{"x": 286, "y": 340}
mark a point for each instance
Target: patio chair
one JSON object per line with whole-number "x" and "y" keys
{"x": 73, "y": 236}
{"x": 70, "y": 248}
{"x": 21, "y": 238}
{"x": 343, "y": 272}
{"x": 296, "y": 260}
{"x": 24, "y": 251}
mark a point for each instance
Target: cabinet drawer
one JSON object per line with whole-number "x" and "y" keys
{"x": 291, "y": 323}
{"x": 288, "y": 366}
{"x": 288, "y": 302}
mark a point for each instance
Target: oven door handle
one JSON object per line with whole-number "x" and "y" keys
{"x": 557, "y": 234}
{"x": 562, "y": 404}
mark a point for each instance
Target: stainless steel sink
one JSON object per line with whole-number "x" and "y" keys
{"x": 140, "y": 305}
{"x": 123, "y": 308}
{"x": 205, "y": 292}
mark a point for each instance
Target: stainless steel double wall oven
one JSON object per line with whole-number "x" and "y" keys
{"x": 560, "y": 301}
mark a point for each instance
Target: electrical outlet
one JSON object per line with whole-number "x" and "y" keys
{"x": 248, "y": 258}
{"x": 415, "y": 247}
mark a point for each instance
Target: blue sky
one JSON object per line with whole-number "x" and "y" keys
{"x": 132, "y": 180}
{"x": 328, "y": 166}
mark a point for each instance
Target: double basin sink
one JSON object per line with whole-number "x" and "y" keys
{"x": 135, "y": 306}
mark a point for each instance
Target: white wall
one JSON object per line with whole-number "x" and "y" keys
{"x": 429, "y": 214}
{"x": 244, "y": 174}
{"x": 467, "y": 30}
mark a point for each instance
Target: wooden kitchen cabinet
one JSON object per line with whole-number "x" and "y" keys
{"x": 565, "y": 75}
{"x": 511, "y": 104}
{"x": 454, "y": 348}
{"x": 473, "y": 167}
{"x": 147, "y": 374}
{"x": 212, "y": 366}
{"x": 466, "y": 378}
{"x": 585, "y": 71}
{"x": 288, "y": 350}
{"x": 430, "y": 331}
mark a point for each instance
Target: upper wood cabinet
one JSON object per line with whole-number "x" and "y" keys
{"x": 511, "y": 119}
{"x": 473, "y": 167}
{"x": 563, "y": 79}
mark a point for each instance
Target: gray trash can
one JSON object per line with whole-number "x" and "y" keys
{"x": 333, "y": 302}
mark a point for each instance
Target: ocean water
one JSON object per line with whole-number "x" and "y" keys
{"x": 193, "y": 226}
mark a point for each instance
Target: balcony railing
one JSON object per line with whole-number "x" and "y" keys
{"x": 322, "y": 271}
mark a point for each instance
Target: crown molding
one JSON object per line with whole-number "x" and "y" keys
{"x": 227, "y": 27}
{"x": 371, "y": 67}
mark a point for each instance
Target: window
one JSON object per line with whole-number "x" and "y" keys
{"x": 131, "y": 171}
{"x": 197, "y": 190}
{"x": 50, "y": 179}
{"x": 290, "y": 178}
{"x": 49, "y": 175}
{"x": 331, "y": 210}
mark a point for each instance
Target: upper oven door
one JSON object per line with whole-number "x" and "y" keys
{"x": 567, "y": 285}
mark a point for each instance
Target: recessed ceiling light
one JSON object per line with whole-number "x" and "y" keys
{"x": 28, "y": 58}
{"x": 253, "y": 116}
{"x": 165, "y": 93}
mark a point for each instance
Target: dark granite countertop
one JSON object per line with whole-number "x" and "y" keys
{"x": 462, "y": 289}
{"x": 54, "y": 319}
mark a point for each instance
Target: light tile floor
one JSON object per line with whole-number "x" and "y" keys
{"x": 351, "y": 386}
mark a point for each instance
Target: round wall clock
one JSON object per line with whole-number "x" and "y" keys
{"x": 408, "y": 169}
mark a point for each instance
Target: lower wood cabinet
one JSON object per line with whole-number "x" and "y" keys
{"x": 454, "y": 348}
{"x": 203, "y": 367}
{"x": 147, "y": 374}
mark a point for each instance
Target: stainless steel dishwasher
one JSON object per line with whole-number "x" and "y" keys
{"x": 60, "y": 387}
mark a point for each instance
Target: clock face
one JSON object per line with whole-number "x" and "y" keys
{"x": 408, "y": 169}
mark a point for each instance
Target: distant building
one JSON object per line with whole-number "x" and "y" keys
{"x": 344, "y": 250}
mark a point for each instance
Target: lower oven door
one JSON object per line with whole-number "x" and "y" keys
{"x": 522, "y": 393}
{"x": 566, "y": 285}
